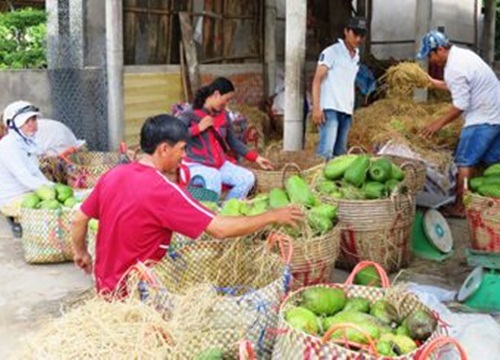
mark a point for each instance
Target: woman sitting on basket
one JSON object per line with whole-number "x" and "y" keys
{"x": 212, "y": 136}
{"x": 19, "y": 170}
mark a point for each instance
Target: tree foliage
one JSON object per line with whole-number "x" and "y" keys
{"x": 23, "y": 39}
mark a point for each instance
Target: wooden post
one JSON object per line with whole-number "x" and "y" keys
{"x": 423, "y": 16}
{"x": 114, "y": 65}
{"x": 295, "y": 55}
{"x": 270, "y": 47}
{"x": 488, "y": 43}
{"x": 190, "y": 50}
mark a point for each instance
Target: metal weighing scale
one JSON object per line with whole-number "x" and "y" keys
{"x": 432, "y": 238}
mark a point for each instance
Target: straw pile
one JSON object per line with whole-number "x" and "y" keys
{"x": 256, "y": 118}
{"x": 402, "y": 79}
{"x": 102, "y": 330}
{"x": 401, "y": 122}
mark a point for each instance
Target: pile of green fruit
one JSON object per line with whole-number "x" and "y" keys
{"x": 358, "y": 177}
{"x": 320, "y": 217}
{"x": 489, "y": 184}
{"x": 318, "y": 309}
{"x": 50, "y": 197}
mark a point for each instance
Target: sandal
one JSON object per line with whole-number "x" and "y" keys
{"x": 15, "y": 227}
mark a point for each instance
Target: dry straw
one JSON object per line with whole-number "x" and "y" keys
{"x": 401, "y": 122}
{"x": 402, "y": 79}
{"x": 102, "y": 330}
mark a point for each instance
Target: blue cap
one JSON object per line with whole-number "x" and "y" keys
{"x": 431, "y": 41}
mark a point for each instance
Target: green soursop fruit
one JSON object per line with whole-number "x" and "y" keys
{"x": 63, "y": 192}
{"x": 30, "y": 201}
{"x": 46, "y": 192}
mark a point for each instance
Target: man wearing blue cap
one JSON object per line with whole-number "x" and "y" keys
{"x": 475, "y": 92}
{"x": 333, "y": 89}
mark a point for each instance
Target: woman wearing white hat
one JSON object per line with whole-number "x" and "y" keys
{"x": 19, "y": 167}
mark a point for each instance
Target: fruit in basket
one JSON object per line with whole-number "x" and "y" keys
{"x": 258, "y": 207}
{"x": 93, "y": 224}
{"x": 421, "y": 324}
{"x": 336, "y": 167}
{"x": 278, "y": 198}
{"x": 323, "y": 301}
{"x": 403, "y": 329}
{"x": 492, "y": 170}
{"x": 380, "y": 170}
{"x": 475, "y": 183}
{"x": 302, "y": 319}
{"x": 319, "y": 224}
{"x": 397, "y": 173}
{"x": 210, "y": 205}
{"x": 326, "y": 187}
{"x": 46, "y": 192}
{"x": 356, "y": 173}
{"x": 490, "y": 190}
{"x": 491, "y": 180}
{"x": 374, "y": 190}
{"x": 63, "y": 192}
{"x": 363, "y": 321}
{"x": 368, "y": 277}
{"x": 211, "y": 354}
{"x": 357, "y": 304}
{"x": 324, "y": 210}
{"x": 30, "y": 201}
{"x": 298, "y": 191}
{"x": 385, "y": 312}
{"x": 231, "y": 208}
{"x": 70, "y": 202}
{"x": 390, "y": 185}
{"x": 385, "y": 348}
{"x": 399, "y": 343}
{"x": 50, "y": 204}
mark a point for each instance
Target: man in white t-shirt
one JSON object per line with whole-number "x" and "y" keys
{"x": 333, "y": 89}
{"x": 475, "y": 92}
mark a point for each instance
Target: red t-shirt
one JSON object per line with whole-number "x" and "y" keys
{"x": 138, "y": 209}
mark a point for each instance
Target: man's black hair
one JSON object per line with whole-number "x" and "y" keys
{"x": 162, "y": 128}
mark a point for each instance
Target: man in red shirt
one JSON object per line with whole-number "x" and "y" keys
{"x": 139, "y": 206}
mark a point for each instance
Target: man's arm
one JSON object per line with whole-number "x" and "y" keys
{"x": 81, "y": 255}
{"x": 233, "y": 226}
{"x": 453, "y": 114}
{"x": 319, "y": 75}
{"x": 438, "y": 84}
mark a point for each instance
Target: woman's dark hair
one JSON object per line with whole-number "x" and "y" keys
{"x": 162, "y": 128}
{"x": 221, "y": 84}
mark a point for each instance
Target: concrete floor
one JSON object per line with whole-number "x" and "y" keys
{"x": 30, "y": 293}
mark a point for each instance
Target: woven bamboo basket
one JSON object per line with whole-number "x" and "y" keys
{"x": 46, "y": 235}
{"x": 246, "y": 301}
{"x": 85, "y": 168}
{"x": 376, "y": 230}
{"x": 293, "y": 344}
{"x": 483, "y": 217}
{"x": 284, "y": 162}
{"x": 313, "y": 260}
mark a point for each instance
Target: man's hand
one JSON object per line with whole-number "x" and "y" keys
{"x": 83, "y": 261}
{"x": 431, "y": 129}
{"x": 289, "y": 215}
{"x": 264, "y": 163}
{"x": 318, "y": 117}
{"x": 205, "y": 123}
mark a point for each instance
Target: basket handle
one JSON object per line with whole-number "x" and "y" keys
{"x": 271, "y": 147}
{"x": 440, "y": 342}
{"x": 371, "y": 343}
{"x": 246, "y": 351}
{"x": 364, "y": 264}
{"x": 275, "y": 237}
{"x": 286, "y": 169}
{"x": 66, "y": 153}
{"x": 356, "y": 150}
{"x": 412, "y": 168}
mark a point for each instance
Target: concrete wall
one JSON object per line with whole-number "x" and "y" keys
{"x": 29, "y": 85}
{"x": 394, "y": 20}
